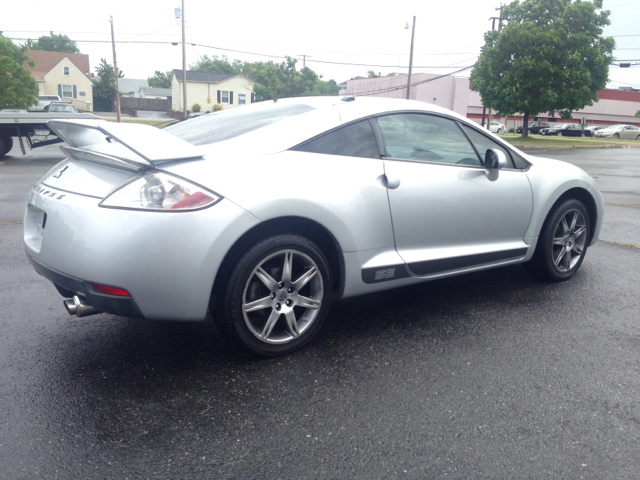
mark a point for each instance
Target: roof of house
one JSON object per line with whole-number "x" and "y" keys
{"x": 202, "y": 76}
{"x": 131, "y": 85}
{"x": 46, "y": 61}
{"x": 159, "y": 92}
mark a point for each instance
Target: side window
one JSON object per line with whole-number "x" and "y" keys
{"x": 426, "y": 138}
{"x": 355, "y": 140}
{"x": 483, "y": 143}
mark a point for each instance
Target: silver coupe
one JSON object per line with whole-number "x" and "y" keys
{"x": 263, "y": 214}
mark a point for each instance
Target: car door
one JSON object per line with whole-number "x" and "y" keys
{"x": 450, "y": 213}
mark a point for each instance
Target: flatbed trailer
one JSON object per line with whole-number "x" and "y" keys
{"x": 32, "y": 129}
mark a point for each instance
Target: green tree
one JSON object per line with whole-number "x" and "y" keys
{"x": 550, "y": 56}
{"x": 273, "y": 80}
{"x": 216, "y": 64}
{"x": 53, "y": 43}
{"x": 104, "y": 87}
{"x": 637, "y": 114}
{"x": 18, "y": 89}
{"x": 371, "y": 74}
{"x": 160, "y": 80}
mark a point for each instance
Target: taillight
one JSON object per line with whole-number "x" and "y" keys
{"x": 120, "y": 292}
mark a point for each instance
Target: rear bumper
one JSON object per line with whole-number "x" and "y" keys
{"x": 124, "y": 306}
{"x": 166, "y": 261}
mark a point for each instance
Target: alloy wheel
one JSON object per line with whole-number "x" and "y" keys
{"x": 569, "y": 240}
{"x": 282, "y": 296}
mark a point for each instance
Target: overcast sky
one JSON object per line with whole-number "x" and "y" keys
{"x": 449, "y": 33}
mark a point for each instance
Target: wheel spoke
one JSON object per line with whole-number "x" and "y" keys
{"x": 577, "y": 249}
{"x": 292, "y": 323}
{"x": 287, "y": 267}
{"x": 305, "y": 277}
{"x": 579, "y": 231}
{"x": 267, "y": 279}
{"x": 307, "y": 302}
{"x": 565, "y": 226}
{"x": 560, "y": 256}
{"x": 271, "y": 322}
{"x": 558, "y": 241}
{"x": 259, "y": 304}
{"x": 567, "y": 259}
{"x": 573, "y": 222}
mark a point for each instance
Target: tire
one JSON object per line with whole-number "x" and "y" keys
{"x": 276, "y": 297}
{"x": 616, "y": 136}
{"x": 638, "y": 137}
{"x": 6, "y": 144}
{"x": 500, "y": 131}
{"x": 562, "y": 244}
{"x": 582, "y": 135}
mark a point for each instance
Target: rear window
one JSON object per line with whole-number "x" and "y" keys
{"x": 49, "y": 98}
{"x": 219, "y": 126}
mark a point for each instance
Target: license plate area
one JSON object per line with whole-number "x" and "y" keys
{"x": 34, "y": 224}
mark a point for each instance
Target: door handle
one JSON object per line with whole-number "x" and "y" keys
{"x": 391, "y": 181}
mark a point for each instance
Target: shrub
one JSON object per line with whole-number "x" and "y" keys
{"x": 196, "y": 107}
{"x": 217, "y": 107}
{"x": 512, "y": 130}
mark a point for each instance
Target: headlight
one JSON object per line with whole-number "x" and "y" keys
{"x": 160, "y": 192}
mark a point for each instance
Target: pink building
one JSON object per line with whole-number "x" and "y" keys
{"x": 454, "y": 93}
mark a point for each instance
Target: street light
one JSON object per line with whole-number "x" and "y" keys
{"x": 413, "y": 32}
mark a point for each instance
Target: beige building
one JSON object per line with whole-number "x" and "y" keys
{"x": 209, "y": 89}
{"x": 67, "y": 75}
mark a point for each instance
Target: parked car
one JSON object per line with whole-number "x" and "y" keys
{"x": 44, "y": 101}
{"x": 590, "y": 130}
{"x": 535, "y": 127}
{"x": 13, "y": 110}
{"x": 263, "y": 214}
{"x": 497, "y": 127}
{"x": 555, "y": 130}
{"x": 61, "y": 107}
{"x": 572, "y": 130}
{"x": 629, "y": 132}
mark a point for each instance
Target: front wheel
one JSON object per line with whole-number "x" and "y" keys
{"x": 277, "y": 296}
{"x": 500, "y": 131}
{"x": 638, "y": 137}
{"x": 563, "y": 242}
{"x": 616, "y": 136}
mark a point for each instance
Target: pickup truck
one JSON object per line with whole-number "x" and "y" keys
{"x": 32, "y": 128}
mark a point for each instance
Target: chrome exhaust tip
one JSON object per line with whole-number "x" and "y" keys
{"x": 79, "y": 307}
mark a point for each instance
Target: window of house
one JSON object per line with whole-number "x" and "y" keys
{"x": 67, "y": 91}
{"x": 66, "y": 71}
{"x": 224, "y": 96}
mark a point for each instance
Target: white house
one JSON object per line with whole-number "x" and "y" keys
{"x": 209, "y": 89}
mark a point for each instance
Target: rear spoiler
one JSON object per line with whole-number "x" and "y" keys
{"x": 144, "y": 146}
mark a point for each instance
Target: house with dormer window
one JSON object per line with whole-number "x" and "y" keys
{"x": 67, "y": 75}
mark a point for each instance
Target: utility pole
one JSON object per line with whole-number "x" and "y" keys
{"x": 413, "y": 31}
{"x": 493, "y": 27}
{"x": 304, "y": 57}
{"x": 184, "y": 68}
{"x": 115, "y": 70}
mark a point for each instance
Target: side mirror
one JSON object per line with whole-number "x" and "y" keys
{"x": 495, "y": 159}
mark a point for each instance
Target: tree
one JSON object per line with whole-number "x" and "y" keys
{"x": 18, "y": 88}
{"x": 371, "y": 74}
{"x": 53, "y": 43}
{"x": 104, "y": 87}
{"x": 549, "y": 57}
{"x": 160, "y": 80}
{"x": 637, "y": 114}
{"x": 273, "y": 80}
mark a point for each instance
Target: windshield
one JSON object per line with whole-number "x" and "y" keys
{"x": 62, "y": 108}
{"x": 612, "y": 127}
{"x": 226, "y": 124}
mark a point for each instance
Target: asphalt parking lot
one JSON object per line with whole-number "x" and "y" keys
{"x": 490, "y": 375}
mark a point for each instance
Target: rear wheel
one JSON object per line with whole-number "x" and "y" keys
{"x": 563, "y": 242}
{"x": 6, "y": 144}
{"x": 277, "y": 296}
